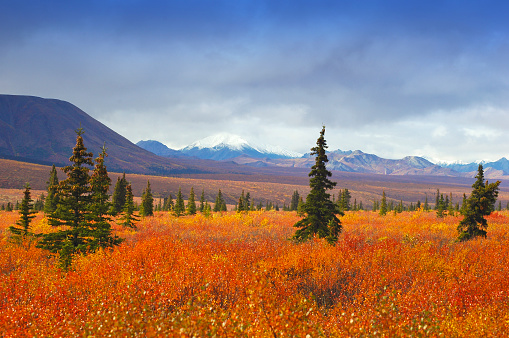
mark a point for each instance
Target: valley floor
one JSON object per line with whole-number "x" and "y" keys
{"x": 234, "y": 275}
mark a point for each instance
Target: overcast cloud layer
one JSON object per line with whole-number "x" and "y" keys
{"x": 393, "y": 78}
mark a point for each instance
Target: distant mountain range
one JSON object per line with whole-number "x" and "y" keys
{"x": 500, "y": 166}
{"x": 233, "y": 148}
{"x": 38, "y": 130}
{"x": 219, "y": 147}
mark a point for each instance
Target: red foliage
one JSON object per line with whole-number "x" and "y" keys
{"x": 239, "y": 275}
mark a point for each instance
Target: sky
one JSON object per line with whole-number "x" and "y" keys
{"x": 393, "y": 78}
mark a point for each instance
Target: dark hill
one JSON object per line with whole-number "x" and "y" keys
{"x": 38, "y": 130}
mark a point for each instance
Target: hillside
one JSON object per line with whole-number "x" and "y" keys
{"x": 277, "y": 188}
{"x": 38, "y": 130}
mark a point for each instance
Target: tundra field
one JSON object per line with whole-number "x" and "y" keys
{"x": 238, "y": 275}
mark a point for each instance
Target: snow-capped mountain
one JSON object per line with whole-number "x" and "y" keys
{"x": 230, "y": 147}
{"x": 501, "y": 165}
{"x": 226, "y": 146}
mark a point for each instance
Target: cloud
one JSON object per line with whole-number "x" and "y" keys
{"x": 390, "y": 77}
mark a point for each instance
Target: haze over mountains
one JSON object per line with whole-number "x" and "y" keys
{"x": 42, "y": 131}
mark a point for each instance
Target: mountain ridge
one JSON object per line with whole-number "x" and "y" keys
{"x": 42, "y": 130}
{"x": 38, "y": 130}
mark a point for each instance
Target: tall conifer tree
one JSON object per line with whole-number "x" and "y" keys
{"x": 320, "y": 219}
{"x": 480, "y": 203}
{"x": 72, "y": 214}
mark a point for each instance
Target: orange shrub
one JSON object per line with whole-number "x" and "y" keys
{"x": 240, "y": 275}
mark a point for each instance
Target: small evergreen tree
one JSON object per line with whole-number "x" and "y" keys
{"x": 51, "y": 202}
{"x": 247, "y": 201}
{"x": 168, "y": 203}
{"x": 480, "y": 203}
{"x": 202, "y": 200}
{"x": 440, "y": 207}
{"x": 206, "y": 209}
{"x": 320, "y": 219}
{"x": 344, "y": 200}
{"x": 463, "y": 204}
{"x": 128, "y": 218}
{"x": 100, "y": 184}
{"x": 119, "y": 196}
{"x": 179, "y": 207}
{"x": 220, "y": 204}
{"x": 437, "y": 199}
{"x": 426, "y": 204}
{"x": 241, "y": 204}
{"x": 450, "y": 207}
{"x": 72, "y": 214}
{"x": 39, "y": 203}
{"x": 147, "y": 202}
{"x": 22, "y": 233}
{"x": 383, "y": 205}
{"x": 295, "y": 201}
{"x": 191, "y": 204}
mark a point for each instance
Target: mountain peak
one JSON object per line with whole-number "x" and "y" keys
{"x": 225, "y": 146}
{"x": 221, "y": 140}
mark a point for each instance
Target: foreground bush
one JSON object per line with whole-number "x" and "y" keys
{"x": 239, "y": 275}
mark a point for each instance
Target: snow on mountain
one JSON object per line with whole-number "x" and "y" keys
{"x": 225, "y": 146}
{"x": 269, "y": 149}
{"x": 222, "y": 140}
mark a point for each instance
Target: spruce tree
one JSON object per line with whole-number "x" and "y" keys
{"x": 206, "y": 209}
{"x": 383, "y": 205}
{"x": 128, "y": 218}
{"x": 480, "y": 203}
{"x": 247, "y": 201}
{"x": 147, "y": 202}
{"x": 202, "y": 200}
{"x": 191, "y": 204}
{"x": 119, "y": 195}
{"x": 72, "y": 215}
{"x": 464, "y": 204}
{"x": 220, "y": 204}
{"x": 450, "y": 207}
{"x": 100, "y": 184}
{"x": 320, "y": 219}
{"x": 39, "y": 203}
{"x": 440, "y": 207}
{"x": 242, "y": 203}
{"x": 168, "y": 203}
{"x": 295, "y": 201}
{"x": 51, "y": 202}
{"x": 22, "y": 233}
{"x": 179, "y": 207}
{"x": 344, "y": 200}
